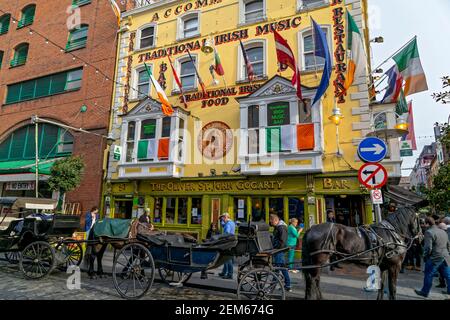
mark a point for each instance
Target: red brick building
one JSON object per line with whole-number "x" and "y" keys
{"x": 69, "y": 84}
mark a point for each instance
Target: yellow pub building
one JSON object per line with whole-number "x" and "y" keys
{"x": 249, "y": 148}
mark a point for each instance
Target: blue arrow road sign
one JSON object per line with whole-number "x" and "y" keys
{"x": 372, "y": 150}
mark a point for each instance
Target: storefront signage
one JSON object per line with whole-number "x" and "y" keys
{"x": 221, "y": 39}
{"x": 336, "y": 184}
{"x": 215, "y": 186}
{"x": 339, "y": 52}
{"x": 162, "y": 77}
{"x": 220, "y": 97}
{"x": 278, "y": 115}
{"x": 20, "y": 186}
{"x": 178, "y": 10}
{"x": 117, "y": 152}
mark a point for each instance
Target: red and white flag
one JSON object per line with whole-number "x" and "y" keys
{"x": 248, "y": 64}
{"x": 286, "y": 58}
{"x": 177, "y": 80}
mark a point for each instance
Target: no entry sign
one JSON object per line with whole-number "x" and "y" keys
{"x": 373, "y": 175}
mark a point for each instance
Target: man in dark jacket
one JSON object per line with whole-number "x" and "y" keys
{"x": 279, "y": 240}
{"x": 436, "y": 256}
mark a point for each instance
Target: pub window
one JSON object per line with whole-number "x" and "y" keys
{"x": 258, "y": 209}
{"x": 182, "y": 210}
{"x": 189, "y": 25}
{"x": 130, "y": 140}
{"x": 166, "y": 122}
{"x": 297, "y": 209}
{"x": 240, "y": 209}
{"x": 279, "y": 131}
{"x": 305, "y": 5}
{"x": 4, "y": 23}
{"x": 157, "y": 210}
{"x": 253, "y": 11}
{"x": 196, "y": 211}
{"x": 148, "y": 129}
{"x": 27, "y": 17}
{"x": 276, "y": 206}
{"x": 187, "y": 73}
{"x": 20, "y": 55}
{"x": 305, "y": 111}
{"x": 147, "y": 146}
{"x": 77, "y": 38}
{"x": 310, "y": 61}
{"x": 147, "y": 37}
{"x": 256, "y": 55}
{"x": 170, "y": 210}
{"x": 142, "y": 83}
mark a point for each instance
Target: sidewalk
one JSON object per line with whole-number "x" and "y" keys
{"x": 341, "y": 284}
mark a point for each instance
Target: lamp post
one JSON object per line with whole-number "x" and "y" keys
{"x": 36, "y": 120}
{"x": 336, "y": 118}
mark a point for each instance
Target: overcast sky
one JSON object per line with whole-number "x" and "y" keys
{"x": 400, "y": 20}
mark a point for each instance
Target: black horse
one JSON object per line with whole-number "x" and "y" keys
{"x": 383, "y": 244}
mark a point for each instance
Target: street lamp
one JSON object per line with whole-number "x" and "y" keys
{"x": 377, "y": 40}
{"x": 336, "y": 118}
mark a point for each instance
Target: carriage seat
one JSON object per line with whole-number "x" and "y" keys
{"x": 220, "y": 242}
{"x": 161, "y": 239}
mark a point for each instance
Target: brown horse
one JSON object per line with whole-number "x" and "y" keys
{"x": 383, "y": 244}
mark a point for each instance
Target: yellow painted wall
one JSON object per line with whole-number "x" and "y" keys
{"x": 223, "y": 17}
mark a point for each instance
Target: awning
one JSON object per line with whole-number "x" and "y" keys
{"x": 17, "y": 203}
{"x": 26, "y": 166}
{"x": 404, "y": 197}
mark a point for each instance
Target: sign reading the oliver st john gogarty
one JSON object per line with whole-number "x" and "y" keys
{"x": 220, "y": 39}
{"x": 339, "y": 52}
{"x": 215, "y": 186}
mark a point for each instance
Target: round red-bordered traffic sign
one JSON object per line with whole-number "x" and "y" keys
{"x": 373, "y": 175}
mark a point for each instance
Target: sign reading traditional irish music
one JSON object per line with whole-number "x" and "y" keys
{"x": 278, "y": 114}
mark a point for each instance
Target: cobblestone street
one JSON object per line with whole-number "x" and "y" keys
{"x": 343, "y": 284}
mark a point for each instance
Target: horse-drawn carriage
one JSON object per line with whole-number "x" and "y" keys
{"x": 36, "y": 240}
{"x": 177, "y": 256}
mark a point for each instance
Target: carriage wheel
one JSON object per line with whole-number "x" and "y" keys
{"x": 70, "y": 254}
{"x": 260, "y": 284}
{"x": 133, "y": 271}
{"x": 12, "y": 257}
{"x": 169, "y": 276}
{"x": 37, "y": 260}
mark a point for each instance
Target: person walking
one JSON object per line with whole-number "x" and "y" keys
{"x": 90, "y": 219}
{"x": 294, "y": 232}
{"x": 229, "y": 227}
{"x": 436, "y": 257}
{"x": 212, "y": 231}
{"x": 279, "y": 240}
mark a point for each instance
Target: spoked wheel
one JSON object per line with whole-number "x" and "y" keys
{"x": 133, "y": 271}
{"x": 169, "y": 276}
{"x": 260, "y": 284}
{"x": 37, "y": 260}
{"x": 69, "y": 254}
{"x": 12, "y": 257}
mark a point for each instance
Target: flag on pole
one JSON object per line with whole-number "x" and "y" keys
{"x": 248, "y": 65}
{"x": 411, "y": 136}
{"x": 395, "y": 84}
{"x": 322, "y": 50}
{"x": 286, "y": 57}
{"x": 116, "y": 10}
{"x": 218, "y": 68}
{"x": 409, "y": 65}
{"x": 357, "y": 56}
{"x": 402, "y": 105}
{"x": 202, "y": 84}
{"x": 166, "y": 106}
{"x": 177, "y": 80}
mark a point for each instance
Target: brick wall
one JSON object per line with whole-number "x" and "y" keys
{"x": 43, "y": 59}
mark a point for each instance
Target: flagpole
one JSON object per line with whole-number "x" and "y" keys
{"x": 415, "y": 37}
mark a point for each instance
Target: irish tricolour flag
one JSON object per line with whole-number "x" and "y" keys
{"x": 357, "y": 57}
{"x": 165, "y": 104}
{"x": 409, "y": 65}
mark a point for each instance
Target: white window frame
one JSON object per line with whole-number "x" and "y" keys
{"x": 240, "y": 59}
{"x": 301, "y": 4}
{"x": 242, "y": 20}
{"x": 178, "y": 63}
{"x": 135, "y": 81}
{"x": 307, "y": 32}
{"x": 180, "y": 24}
{"x": 139, "y": 35}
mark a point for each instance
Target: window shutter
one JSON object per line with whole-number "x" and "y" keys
{"x": 30, "y": 145}
{"x": 4, "y": 149}
{"x": 4, "y": 24}
{"x": 27, "y": 92}
{"x": 13, "y": 93}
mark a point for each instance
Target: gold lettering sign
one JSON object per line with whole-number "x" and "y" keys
{"x": 306, "y": 162}
{"x": 217, "y": 186}
{"x": 133, "y": 170}
{"x": 338, "y": 184}
{"x": 158, "y": 169}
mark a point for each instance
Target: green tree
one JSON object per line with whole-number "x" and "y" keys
{"x": 66, "y": 175}
{"x": 439, "y": 194}
{"x": 443, "y": 97}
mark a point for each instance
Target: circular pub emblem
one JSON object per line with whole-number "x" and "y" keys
{"x": 215, "y": 140}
